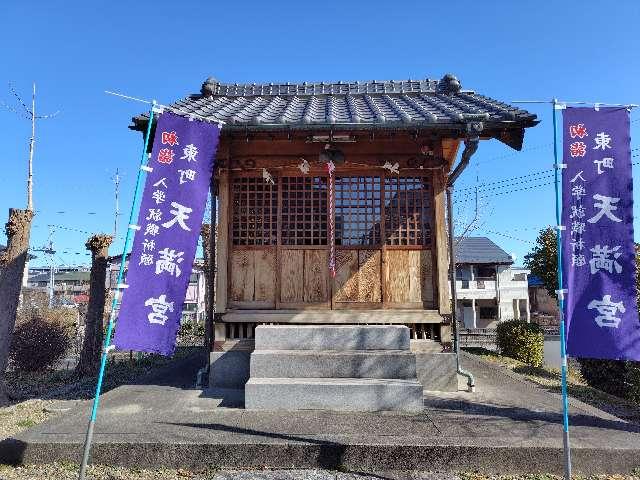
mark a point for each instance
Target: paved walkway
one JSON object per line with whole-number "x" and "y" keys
{"x": 508, "y": 425}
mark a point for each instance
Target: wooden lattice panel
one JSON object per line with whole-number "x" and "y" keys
{"x": 304, "y": 210}
{"x": 255, "y": 206}
{"x": 358, "y": 204}
{"x": 407, "y": 211}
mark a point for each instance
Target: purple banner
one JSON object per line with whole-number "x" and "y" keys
{"x": 170, "y": 217}
{"x": 597, "y": 246}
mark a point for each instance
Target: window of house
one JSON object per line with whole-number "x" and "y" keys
{"x": 407, "y": 211}
{"x": 358, "y": 205}
{"x": 304, "y": 210}
{"x": 255, "y": 204}
{"x": 490, "y": 313}
{"x": 520, "y": 277}
{"x": 485, "y": 272}
{"x": 302, "y": 203}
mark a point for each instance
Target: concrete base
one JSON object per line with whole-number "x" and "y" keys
{"x": 333, "y": 367}
{"x": 344, "y": 394}
{"x": 509, "y": 426}
{"x": 332, "y": 337}
{"x": 333, "y": 364}
{"x": 437, "y": 371}
{"x": 229, "y": 369}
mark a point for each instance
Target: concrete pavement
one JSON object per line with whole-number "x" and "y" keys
{"x": 507, "y": 426}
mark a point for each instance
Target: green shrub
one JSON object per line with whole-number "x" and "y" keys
{"x": 617, "y": 377}
{"x": 38, "y": 343}
{"x": 521, "y": 340}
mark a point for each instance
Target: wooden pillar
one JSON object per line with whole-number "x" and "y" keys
{"x": 442, "y": 251}
{"x": 222, "y": 242}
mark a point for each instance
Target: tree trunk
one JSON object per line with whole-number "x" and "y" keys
{"x": 205, "y": 233}
{"x": 12, "y": 262}
{"x": 94, "y": 320}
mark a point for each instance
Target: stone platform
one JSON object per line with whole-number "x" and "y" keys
{"x": 230, "y": 366}
{"x": 333, "y": 367}
{"x": 507, "y": 426}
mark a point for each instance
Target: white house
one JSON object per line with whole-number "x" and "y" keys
{"x": 488, "y": 286}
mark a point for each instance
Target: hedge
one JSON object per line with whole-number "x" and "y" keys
{"x": 521, "y": 340}
{"x": 38, "y": 343}
{"x": 617, "y": 377}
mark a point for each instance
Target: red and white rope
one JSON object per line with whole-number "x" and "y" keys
{"x": 332, "y": 234}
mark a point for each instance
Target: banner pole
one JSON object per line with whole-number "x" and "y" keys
{"x": 563, "y": 348}
{"x": 107, "y": 341}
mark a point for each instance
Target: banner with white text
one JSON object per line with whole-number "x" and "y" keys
{"x": 599, "y": 270}
{"x": 164, "y": 247}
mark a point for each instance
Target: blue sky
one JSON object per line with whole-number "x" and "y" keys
{"x": 75, "y": 50}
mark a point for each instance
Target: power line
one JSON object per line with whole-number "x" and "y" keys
{"x": 506, "y": 235}
{"x": 466, "y": 198}
{"x": 506, "y": 180}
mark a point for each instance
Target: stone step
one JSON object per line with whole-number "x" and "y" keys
{"x": 332, "y": 337}
{"x": 338, "y": 394}
{"x": 333, "y": 364}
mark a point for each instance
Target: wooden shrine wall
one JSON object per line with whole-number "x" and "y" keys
{"x": 277, "y": 257}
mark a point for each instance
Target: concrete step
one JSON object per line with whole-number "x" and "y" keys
{"x": 332, "y": 337}
{"x": 333, "y": 364}
{"x": 338, "y": 394}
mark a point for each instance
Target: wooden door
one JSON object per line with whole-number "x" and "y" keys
{"x": 279, "y": 254}
{"x": 358, "y": 228}
{"x": 253, "y": 234}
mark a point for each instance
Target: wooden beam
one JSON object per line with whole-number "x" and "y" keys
{"x": 222, "y": 244}
{"x": 333, "y": 316}
{"x": 442, "y": 251}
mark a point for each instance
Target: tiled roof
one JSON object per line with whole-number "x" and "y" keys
{"x": 480, "y": 250}
{"x": 81, "y": 276}
{"x": 387, "y": 104}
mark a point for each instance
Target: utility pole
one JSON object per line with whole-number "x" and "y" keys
{"x": 30, "y": 114}
{"x": 116, "y": 182}
{"x": 32, "y": 144}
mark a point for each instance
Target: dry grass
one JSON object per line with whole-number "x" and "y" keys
{"x": 69, "y": 471}
{"x": 577, "y": 387}
{"x": 546, "y": 476}
{"x": 34, "y": 392}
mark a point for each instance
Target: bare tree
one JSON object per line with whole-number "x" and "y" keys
{"x": 12, "y": 262}
{"x": 94, "y": 320}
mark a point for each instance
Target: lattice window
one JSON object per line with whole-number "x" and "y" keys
{"x": 304, "y": 210}
{"x": 407, "y": 211}
{"x": 358, "y": 210}
{"x": 255, "y": 206}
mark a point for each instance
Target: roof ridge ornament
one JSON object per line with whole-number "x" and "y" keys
{"x": 210, "y": 87}
{"x": 449, "y": 85}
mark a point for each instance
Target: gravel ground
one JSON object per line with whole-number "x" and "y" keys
{"x": 70, "y": 472}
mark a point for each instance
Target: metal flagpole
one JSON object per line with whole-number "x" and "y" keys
{"x": 107, "y": 341}
{"x": 560, "y": 291}
{"x": 563, "y": 341}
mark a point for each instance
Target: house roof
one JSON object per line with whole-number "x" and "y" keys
{"x": 406, "y": 104}
{"x": 480, "y": 250}
{"x": 535, "y": 281}
{"x": 74, "y": 276}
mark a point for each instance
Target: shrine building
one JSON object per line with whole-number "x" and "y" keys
{"x": 331, "y": 205}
